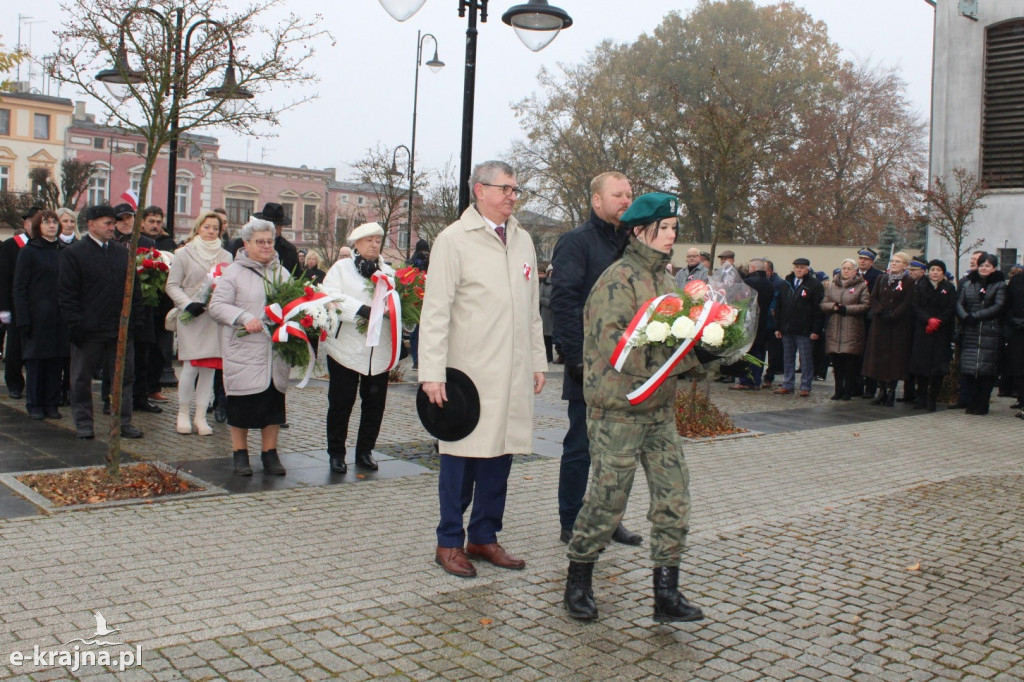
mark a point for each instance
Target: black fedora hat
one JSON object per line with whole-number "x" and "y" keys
{"x": 274, "y": 213}
{"x": 460, "y": 414}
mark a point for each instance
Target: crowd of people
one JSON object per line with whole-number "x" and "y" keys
{"x": 496, "y": 317}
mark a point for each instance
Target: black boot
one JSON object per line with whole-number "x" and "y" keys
{"x": 669, "y": 605}
{"x": 241, "y": 460}
{"x": 579, "y": 591}
{"x": 271, "y": 463}
{"x": 338, "y": 465}
{"x": 366, "y": 461}
{"x": 624, "y": 536}
{"x": 881, "y": 397}
{"x": 890, "y": 395}
{"x": 921, "y": 399}
{"x": 934, "y": 387}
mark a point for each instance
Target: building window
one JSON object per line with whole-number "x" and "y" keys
{"x": 5, "y": 121}
{"x": 340, "y": 228}
{"x": 97, "y": 143}
{"x": 1002, "y": 140}
{"x": 239, "y": 210}
{"x": 403, "y": 238}
{"x": 98, "y": 183}
{"x": 289, "y": 209}
{"x": 344, "y": 198}
{"x": 41, "y": 126}
{"x": 309, "y": 216}
{"x": 182, "y": 195}
{"x": 5, "y": 177}
{"x": 360, "y": 200}
{"x": 140, "y": 148}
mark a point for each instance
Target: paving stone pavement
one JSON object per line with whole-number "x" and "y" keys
{"x": 885, "y": 550}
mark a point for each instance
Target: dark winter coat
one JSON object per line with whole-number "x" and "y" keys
{"x": 91, "y": 290}
{"x": 798, "y": 309}
{"x": 580, "y": 256}
{"x": 981, "y": 338}
{"x": 314, "y": 275}
{"x": 1014, "y": 327}
{"x": 43, "y": 332}
{"x": 9, "y": 251}
{"x": 758, "y": 281}
{"x": 932, "y": 353}
{"x": 887, "y": 355}
{"x": 869, "y": 276}
{"x": 844, "y": 332}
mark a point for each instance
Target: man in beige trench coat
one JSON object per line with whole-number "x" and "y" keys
{"x": 481, "y": 315}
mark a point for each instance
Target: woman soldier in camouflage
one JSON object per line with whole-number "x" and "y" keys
{"x": 622, "y": 434}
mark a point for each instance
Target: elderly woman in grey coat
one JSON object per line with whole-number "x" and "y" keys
{"x": 199, "y": 338}
{"x": 255, "y": 378}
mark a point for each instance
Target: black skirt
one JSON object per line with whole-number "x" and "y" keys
{"x": 258, "y": 410}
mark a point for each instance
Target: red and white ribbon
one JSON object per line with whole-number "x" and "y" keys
{"x": 623, "y": 348}
{"x": 21, "y": 240}
{"x": 288, "y": 327}
{"x": 385, "y": 297}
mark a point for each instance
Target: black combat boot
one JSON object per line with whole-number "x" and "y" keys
{"x": 890, "y": 395}
{"x": 579, "y": 592}
{"x": 934, "y": 387}
{"x": 669, "y": 605}
{"x": 241, "y": 460}
{"x": 271, "y": 463}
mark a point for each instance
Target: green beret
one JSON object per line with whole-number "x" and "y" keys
{"x": 650, "y": 208}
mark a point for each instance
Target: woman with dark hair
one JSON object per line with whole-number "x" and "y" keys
{"x": 887, "y": 355}
{"x": 980, "y": 309}
{"x": 623, "y": 435}
{"x": 934, "y": 314}
{"x": 44, "y": 336}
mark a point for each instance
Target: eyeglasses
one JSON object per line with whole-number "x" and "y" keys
{"x": 263, "y": 242}
{"x": 507, "y": 190}
{"x": 49, "y": 221}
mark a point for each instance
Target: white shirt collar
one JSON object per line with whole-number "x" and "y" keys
{"x": 96, "y": 240}
{"x": 490, "y": 222}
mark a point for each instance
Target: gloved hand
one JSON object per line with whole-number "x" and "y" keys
{"x": 195, "y": 309}
{"x": 575, "y": 372}
{"x": 703, "y": 355}
{"x": 841, "y": 309}
{"x": 5, "y": 316}
{"x": 75, "y": 335}
{"x": 933, "y": 325}
{"x": 970, "y": 319}
{"x": 364, "y": 311}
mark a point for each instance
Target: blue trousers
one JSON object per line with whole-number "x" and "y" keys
{"x": 574, "y": 471}
{"x": 791, "y": 343}
{"x": 482, "y": 481}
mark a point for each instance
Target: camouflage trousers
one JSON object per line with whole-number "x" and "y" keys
{"x": 615, "y": 449}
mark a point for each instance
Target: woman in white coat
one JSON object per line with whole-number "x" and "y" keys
{"x": 351, "y": 363}
{"x": 199, "y": 338}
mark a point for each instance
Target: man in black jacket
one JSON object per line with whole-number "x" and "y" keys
{"x": 90, "y": 294}
{"x": 14, "y": 376}
{"x": 286, "y": 251}
{"x": 800, "y": 323}
{"x": 758, "y": 281}
{"x": 580, "y": 256}
{"x": 159, "y": 371}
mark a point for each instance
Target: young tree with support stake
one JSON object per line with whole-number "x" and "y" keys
{"x": 951, "y": 202}
{"x": 189, "y": 76}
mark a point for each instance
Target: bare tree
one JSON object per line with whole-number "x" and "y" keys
{"x": 951, "y": 203}
{"x": 175, "y": 84}
{"x": 74, "y": 180}
{"x": 440, "y": 203}
{"x": 44, "y": 189}
{"x": 389, "y": 198}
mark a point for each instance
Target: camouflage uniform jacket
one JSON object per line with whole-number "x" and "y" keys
{"x": 616, "y": 297}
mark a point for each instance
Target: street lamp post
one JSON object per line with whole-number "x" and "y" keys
{"x": 536, "y": 23}
{"x": 395, "y": 173}
{"x": 121, "y": 78}
{"x": 434, "y": 65}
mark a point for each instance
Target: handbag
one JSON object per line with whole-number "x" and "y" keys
{"x": 171, "y": 320}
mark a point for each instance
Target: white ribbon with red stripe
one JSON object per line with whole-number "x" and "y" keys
{"x": 385, "y": 297}
{"x": 624, "y": 346}
{"x": 288, "y": 327}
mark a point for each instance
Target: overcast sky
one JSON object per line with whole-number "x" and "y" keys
{"x": 366, "y": 78}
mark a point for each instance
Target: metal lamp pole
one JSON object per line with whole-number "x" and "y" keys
{"x": 435, "y": 65}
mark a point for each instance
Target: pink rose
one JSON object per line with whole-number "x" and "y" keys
{"x": 696, "y": 290}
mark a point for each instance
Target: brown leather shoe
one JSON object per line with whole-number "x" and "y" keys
{"x": 782, "y": 391}
{"x": 805, "y": 394}
{"x": 496, "y": 554}
{"x": 453, "y": 560}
